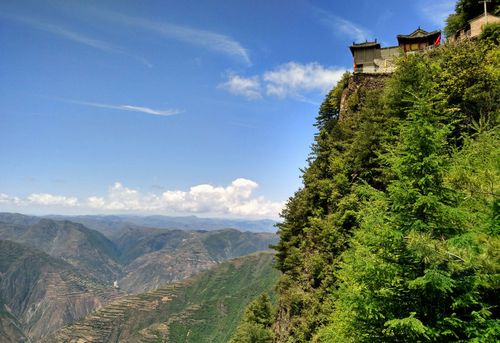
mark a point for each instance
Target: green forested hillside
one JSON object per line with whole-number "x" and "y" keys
{"x": 394, "y": 235}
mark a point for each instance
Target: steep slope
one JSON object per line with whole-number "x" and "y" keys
{"x": 44, "y": 293}
{"x": 10, "y": 329}
{"x": 205, "y": 308}
{"x": 87, "y": 250}
{"x": 170, "y": 255}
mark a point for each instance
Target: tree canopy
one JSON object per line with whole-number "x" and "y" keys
{"x": 394, "y": 235}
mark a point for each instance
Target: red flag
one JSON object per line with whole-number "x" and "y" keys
{"x": 438, "y": 40}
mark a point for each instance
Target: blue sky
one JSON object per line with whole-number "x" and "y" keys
{"x": 173, "y": 107}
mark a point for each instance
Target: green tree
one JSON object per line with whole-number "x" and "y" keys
{"x": 418, "y": 268}
{"x": 359, "y": 125}
{"x": 255, "y": 326}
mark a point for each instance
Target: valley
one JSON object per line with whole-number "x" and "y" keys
{"x": 204, "y": 308}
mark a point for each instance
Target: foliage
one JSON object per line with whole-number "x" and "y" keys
{"x": 255, "y": 326}
{"x": 419, "y": 271}
{"x": 393, "y": 236}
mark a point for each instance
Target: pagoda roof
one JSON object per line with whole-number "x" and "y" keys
{"x": 418, "y": 34}
{"x": 364, "y": 45}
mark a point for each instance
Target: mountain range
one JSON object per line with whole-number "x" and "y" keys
{"x": 108, "y": 224}
{"x": 53, "y": 271}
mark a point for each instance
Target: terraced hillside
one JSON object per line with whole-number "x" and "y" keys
{"x": 41, "y": 294}
{"x": 206, "y": 308}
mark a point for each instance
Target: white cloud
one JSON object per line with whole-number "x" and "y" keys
{"x": 51, "y": 200}
{"x": 10, "y": 200}
{"x": 239, "y": 85}
{"x": 202, "y": 38}
{"x": 343, "y": 27}
{"x": 236, "y": 199}
{"x": 291, "y": 79}
{"x": 141, "y": 109}
{"x": 436, "y": 11}
{"x": 294, "y": 78}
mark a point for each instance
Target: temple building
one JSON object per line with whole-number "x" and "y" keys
{"x": 475, "y": 26}
{"x": 371, "y": 58}
{"x": 419, "y": 40}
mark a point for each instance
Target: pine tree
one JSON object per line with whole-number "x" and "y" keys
{"x": 255, "y": 327}
{"x": 416, "y": 269}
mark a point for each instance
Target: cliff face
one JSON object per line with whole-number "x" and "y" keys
{"x": 357, "y": 86}
{"x": 320, "y": 217}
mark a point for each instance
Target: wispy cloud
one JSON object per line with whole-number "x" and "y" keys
{"x": 235, "y": 199}
{"x": 79, "y": 38}
{"x": 238, "y": 85}
{"x": 291, "y": 79}
{"x": 343, "y": 27}
{"x": 206, "y": 39}
{"x": 131, "y": 108}
{"x": 44, "y": 199}
{"x": 436, "y": 11}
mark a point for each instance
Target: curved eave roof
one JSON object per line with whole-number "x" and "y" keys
{"x": 419, "y": 34}
{"x": 367, "y": 45}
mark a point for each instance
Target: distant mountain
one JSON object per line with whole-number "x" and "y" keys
{"x": 139, "y": 258}
{"x": 18, "y": 219}
{"x": 87, "y": 250}
{"x": 108, "y": 225}
{"x": 40, "y": 293}
{"x": 156, "y": 257}
{"x": 133, "y": 242}
{"x": 206, "y": 308}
